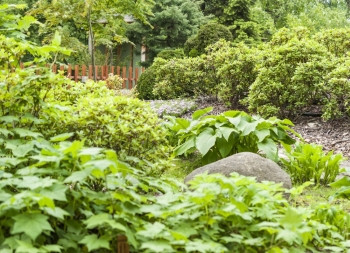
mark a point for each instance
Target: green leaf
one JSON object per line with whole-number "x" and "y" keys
{"x": 345, "y": 181}
{"x": 292, "y": 219}
{"x": 269, "y": 147}
{"x": 56, "y": 41}
{"x": 199, "y": 113}
{"x": 152, "y": 230}
{"x": 5, "y": 132}
{"x": 25, "y": 247}
{"x": 9, "y": 119}
{"x": 157, "y": 246}
{"x": 22, "y": 150}
{"x": 92, "y": 242}
{"x": 51, "y": 248}
{"x": 78, "y": 176}
{"x": 262, "y": 134}
{"x": 32, "y": 224}
{"x": 103, "y": 218}
{"x": 91, "y": 151}
{"x": 205, "y": 140}
{"x": 26, "y": 133}
{"x": 288, "y": 235}
{"x": 56, "y": 212}
{"x": 25, "y": 22}
{"x": 227, "y": 131}
{"x": 224, "y": 147}
{"x": 61, "y": 137}
{"x": 183, "y": 148}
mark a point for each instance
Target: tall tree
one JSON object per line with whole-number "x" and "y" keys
{"x": 174, "y": 21}
{"x": 80, "y": 19}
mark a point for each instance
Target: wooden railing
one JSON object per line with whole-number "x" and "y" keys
{"x": 77, "y": 73}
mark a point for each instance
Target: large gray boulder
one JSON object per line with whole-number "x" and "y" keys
{"x": 246, "y": 164}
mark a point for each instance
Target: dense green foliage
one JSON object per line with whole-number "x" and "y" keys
{"x": 173, "y": 22}
{"x": 52, "y": 104}
{"x": 168, "y": 54}
{"x": 285, "y": 77}
{"x": 235, "y": 70}
{"x": 125, "y": 125}
{"x": 306, "y": 162}
{"x": 290, "y": 78}
{"x": 216, "y": 137}
{"x": 208, "y": 34}
{"x": 66, "y": 198}
{"x": 186, "y": 77}
{"x": 147, "y": 81}
{"x": 343, "y": 187}
{"x": 58, "y": 195}
{"x": 43, "y": 193}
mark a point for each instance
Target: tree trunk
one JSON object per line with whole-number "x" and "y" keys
{"x": 91, "y": 44}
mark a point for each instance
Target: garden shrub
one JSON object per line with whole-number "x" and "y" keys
{"x": 291, "y": 78}
{"x": 235, "y": 70}
{"x": 147, "y": 81}
{"x": 168, "y": 54}
{"x": 59, "y": 196}
{"x": 337, "y": 90}
{"x": 306, "y": 162}
{"x": 187, "y": 77}
{"x": 337, "y": 41}
{"x": 207, "y": 34}
{"x": 284, "y": 35}
{"x": 126, "y": 125}
{"x": 219, "y": 136}
{"x": 114, "y": 82}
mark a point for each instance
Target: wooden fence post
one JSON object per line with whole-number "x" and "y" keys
{"x": 112, "y": 70}
{"x": 96, "y": 71}
{"x": 54, "y": 68}
{"x": 76, "y": 73}
{"x": 122, "y": 244}
{"x": 124, "y": 77}
{"x": 69, "y": 71}
{"x": 83, "y": 71}
{"x": 130, "y": 81}
{"x": 90, "y": 72}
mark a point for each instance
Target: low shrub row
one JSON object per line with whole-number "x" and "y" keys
{"x": 284, "y": 77}
{"x": 58, "y": 196}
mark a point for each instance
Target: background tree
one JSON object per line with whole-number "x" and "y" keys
{"x": 71, "y": 17}
{"x": 174, "y": 21}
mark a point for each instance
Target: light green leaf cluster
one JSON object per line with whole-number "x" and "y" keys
{"x": 216, "y": 137}
{"x": 63, "y": 197}
{"x": 307, "y": 162}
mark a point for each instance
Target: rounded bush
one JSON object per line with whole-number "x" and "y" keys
{"x": 208, "y": 34}
{"x": 147, "y": 81}
{"x": 126, "y": 125}
{"x": 186, "y": 77}
{"x": 168, "y": 54}
{"x": 337, "y": 101}
{"x": 291, "y": 78}
{"x": 235, "y": 70}
{"x": 337, "y": 41}
{"x": 145, "y": 84}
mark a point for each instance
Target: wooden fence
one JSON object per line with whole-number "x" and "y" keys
{"x": 122, "y": 244}
{"x": 77, "y": 73}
